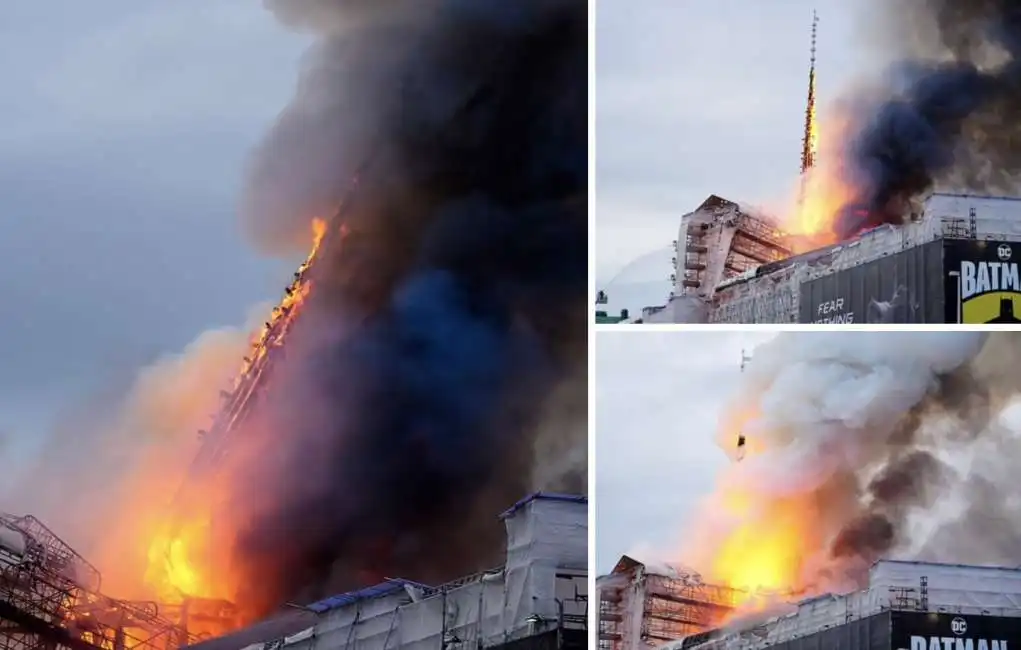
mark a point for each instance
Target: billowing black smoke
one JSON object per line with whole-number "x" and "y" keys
{"x": 951, "y": 116}
{"x": 449, "y": 326}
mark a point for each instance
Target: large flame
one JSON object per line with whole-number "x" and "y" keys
{"x": 823, "y": 190}
{"x": 185, "y": 560}
{"x": 748, "y": 539}
{"x": 761, "y": 549}
{"x": 761, "y": 554}
{"x": 178, "y": 566}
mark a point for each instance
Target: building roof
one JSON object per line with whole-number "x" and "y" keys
{"x": 625, "y": 564}
{"x": 550, "y": 496}
{"x": 297, "y": 619}
{"x": 385, "y": 588}
{"x": 897, "y": 585}
{"x": 628, "y": 563}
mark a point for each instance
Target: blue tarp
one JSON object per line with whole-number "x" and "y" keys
{"x": 382, "y": 589}
{"x": 553, "y": 496}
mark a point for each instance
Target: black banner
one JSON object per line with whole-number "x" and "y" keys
{"x": 981, "y": 281}
{"x": 939, "y": 631}
{"x": 901, "y": 288}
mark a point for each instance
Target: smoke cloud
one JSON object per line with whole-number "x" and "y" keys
{"x": 433, "y": 378}
{"x": 946, "y": 112}
{"x": 878, "y": 445}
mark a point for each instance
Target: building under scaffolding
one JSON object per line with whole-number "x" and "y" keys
{"x": 641, "y": 606}
{"x": 50, "y": 598}
{"x": 719, "y": 240}
{"x": 954, "y": 260}
{"x": 538, "y": 600}
{"x": 916, "y": 605}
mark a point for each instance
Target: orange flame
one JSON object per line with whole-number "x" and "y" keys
{"x": 762, "y": 552}
{"x": 176, "y": 570}
{"x": 752, "y": 542}
{"x": 272, "y": 331}
{"x": 823, "y": 192}
{"x": 182, "y": 554}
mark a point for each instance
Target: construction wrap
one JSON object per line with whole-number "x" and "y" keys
{"x": 542, "y": 588}
{"x": 924, "y": 599}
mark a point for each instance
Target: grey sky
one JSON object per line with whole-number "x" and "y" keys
{"x": 696, "y": 97}
{"x": 658, "y": 397}
{"x": 124, "y": 131}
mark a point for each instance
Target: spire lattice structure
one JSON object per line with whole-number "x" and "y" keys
{"x": 809, "y": 139}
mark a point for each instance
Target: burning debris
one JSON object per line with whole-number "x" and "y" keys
{"x": 853, "y": 451}
{"x": 425, "y": 367}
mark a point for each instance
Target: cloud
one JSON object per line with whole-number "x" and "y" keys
{"x": 124, "y": 128}
{"x": 181, "y": 66}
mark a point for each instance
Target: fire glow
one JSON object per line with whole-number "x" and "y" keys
{"x": 756, "y": 546}
{"x": 176, "y": 571}
{"x": 745, "y": 537}
{"x": 823, "y": 192}
{"x": 762, "y": 553}
{"x": 185, "y": 558}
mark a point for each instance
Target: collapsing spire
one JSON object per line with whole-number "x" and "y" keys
{"x": 809, "y": 141}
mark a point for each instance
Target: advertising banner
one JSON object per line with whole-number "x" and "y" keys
{"x": 982, "y": 283}
{"x": 900, "y": 288}
{"x": 942, "y": 631}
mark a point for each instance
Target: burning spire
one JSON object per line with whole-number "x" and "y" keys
{"x": 810, "y": 139}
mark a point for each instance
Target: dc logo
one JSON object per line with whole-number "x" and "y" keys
{"x": 958, "y": 626}
{"x": 1003, "y": 252}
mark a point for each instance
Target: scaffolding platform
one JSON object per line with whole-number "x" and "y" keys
{"x": 50, "y": 599}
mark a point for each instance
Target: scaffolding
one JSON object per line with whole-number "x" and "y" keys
{"x": 755, "y": 243}
{"x": 770, "y": 298}
{"x": 723, "y": 240}
{"x": 50, "y": 599}
{"x": 203, "y": 618}
{"x": 678, "y": 607}
{"x": 611, "y": 616}
{"x": 641, "y": 607}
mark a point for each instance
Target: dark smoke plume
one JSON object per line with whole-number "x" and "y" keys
{"x": 949, "y": 114}
{"x": 916, "y": 470}
{"x": 909, "y": 476}
{"x": 912, "y": 478}
{"x": 446, "y": 334}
